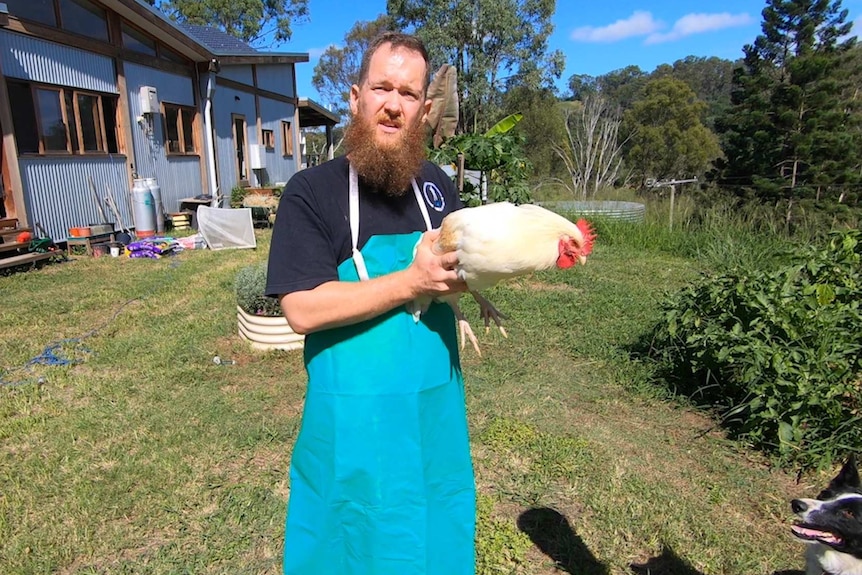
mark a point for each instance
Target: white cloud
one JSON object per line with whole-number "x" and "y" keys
{"x": 638, "y": 24}
{"x": 699, "y": 23}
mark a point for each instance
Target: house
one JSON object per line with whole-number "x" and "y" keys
{"x": 97, "y": 93}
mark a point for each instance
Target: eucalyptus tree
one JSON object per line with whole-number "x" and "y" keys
{"x": 338, "y": 67}
{"x": 248, "y": 20}
{"x": 666, "y": 138}
{"x": 493, "y": 45}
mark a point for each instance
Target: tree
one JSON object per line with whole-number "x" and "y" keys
{"x": 709, "y": 78}
{"x": 491, "y": 43}
{"x": 248, "y": 20}
{"x": 792, "y": 133}
{"x": 591, "y": 151}
{"x": 338, "y": 68}
{"x": 541, "y": 125}
{"x": 620, "y": 88}
{"x": 667, "y": 137}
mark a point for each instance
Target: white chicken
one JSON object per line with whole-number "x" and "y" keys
{"x": 502, "y": 240}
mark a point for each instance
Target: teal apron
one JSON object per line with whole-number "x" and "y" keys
{"x": 381, "y": 481}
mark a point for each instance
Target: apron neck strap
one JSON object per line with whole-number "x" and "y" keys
{"x": 353, "y": 206}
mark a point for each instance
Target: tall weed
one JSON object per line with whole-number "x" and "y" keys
{"x": 777, "y": 353}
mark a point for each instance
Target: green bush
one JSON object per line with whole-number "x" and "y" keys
{"x": 250, "y": 285}
{"x": 777, "y": 353}
{"x": 237, "y": 195}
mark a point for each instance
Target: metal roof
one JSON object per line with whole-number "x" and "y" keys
{"x": 218, "y": 42}
{"x": 313, "y": 114}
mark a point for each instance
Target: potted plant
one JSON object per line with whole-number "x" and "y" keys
{"x": 260, "y": 319}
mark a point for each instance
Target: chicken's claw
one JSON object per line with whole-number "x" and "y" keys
{"x": 488, "y": 312}
{"x": 467, "y": 333}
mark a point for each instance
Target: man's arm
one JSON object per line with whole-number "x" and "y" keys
{"x": 337, "y": 303}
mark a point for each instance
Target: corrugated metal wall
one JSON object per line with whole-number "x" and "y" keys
{"x": 178, "y": 176}
{"x": 228, "y": 101}
{"x": 59, "y": 196}
{"x": 42, "y": 61}
{"x": 278, "y": 79}
{"x": 278, "y": 167}
{"x": 241, "y": 74}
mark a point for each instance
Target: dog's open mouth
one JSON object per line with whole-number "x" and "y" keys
{"x": 812, "y": 534}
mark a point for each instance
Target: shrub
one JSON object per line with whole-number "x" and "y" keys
{"x": 250, "y": 285}
{"x": 777, "y": 353}
{"x": 237, "y": 195}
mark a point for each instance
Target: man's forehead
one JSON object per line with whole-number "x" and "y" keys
{"x": 388, "y": 57}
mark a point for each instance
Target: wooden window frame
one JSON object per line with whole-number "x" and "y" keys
{"x": 287, "y": 139}
{"x": 101, "y": 135}
{"x": 267, "y": 137}
{"x": 181, "y": 140}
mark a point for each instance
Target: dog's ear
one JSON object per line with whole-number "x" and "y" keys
{"x": 848, "y": 476}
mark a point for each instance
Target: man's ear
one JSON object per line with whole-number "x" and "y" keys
{"x": 354, "y": 99}
{"x": 426, "y": 111}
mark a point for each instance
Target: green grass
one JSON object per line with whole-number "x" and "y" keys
{"x": 147, "y": 457}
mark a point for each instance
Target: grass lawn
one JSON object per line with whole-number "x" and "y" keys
{"x": 148, "y": 457}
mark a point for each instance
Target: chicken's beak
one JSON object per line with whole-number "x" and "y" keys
{"x": 582, "y": 260}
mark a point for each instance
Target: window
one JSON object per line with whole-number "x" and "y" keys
{"x": 179, "y": 129}
{"x": 287, "y": 138}
{"x": 138, "y": 41}
{"x": 53, "y": 119}
{"x": 268, "y": 139}
{"x": 84, "y": 18}
{"x": 36, "y": 10}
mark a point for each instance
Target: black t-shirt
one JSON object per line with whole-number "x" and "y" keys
{"x": 311, "y": 237}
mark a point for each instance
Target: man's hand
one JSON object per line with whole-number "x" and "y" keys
{"x": 431, "y": 274}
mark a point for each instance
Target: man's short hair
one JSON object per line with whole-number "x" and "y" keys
{"x": 395, "y": 40}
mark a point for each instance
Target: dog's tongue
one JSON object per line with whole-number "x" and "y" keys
{"x": 815, "y": 534}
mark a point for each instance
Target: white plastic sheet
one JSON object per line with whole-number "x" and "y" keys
{"x": 226, "y": 228}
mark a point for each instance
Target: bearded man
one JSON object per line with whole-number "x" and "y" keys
{"x": 381, "y": 476}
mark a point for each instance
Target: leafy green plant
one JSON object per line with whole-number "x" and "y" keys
{"x": 498, "y": 155}
{"x": 778, "y": 353}
{"x": 237, "y": 195}
{"x": 250, "y": 285}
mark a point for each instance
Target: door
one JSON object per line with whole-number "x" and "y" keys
{"x": 241, "y": 148}
{"x": 5, "y": 182}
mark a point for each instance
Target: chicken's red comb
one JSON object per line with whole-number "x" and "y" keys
{"x": 589, "y": 234}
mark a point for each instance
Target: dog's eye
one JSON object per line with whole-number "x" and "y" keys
{"x": 848, "y": 513}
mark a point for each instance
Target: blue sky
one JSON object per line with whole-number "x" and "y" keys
{"x": 596, "y": 37}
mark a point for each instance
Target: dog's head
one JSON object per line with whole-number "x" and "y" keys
{"x": 833, "y": 519}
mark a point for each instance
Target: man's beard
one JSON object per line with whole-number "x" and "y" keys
{"x": 388, "y": 167}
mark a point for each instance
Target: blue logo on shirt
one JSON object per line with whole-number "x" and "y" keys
{"x": 433, "y": 196}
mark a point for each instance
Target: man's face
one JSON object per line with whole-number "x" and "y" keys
{"x": 392, "y": 97}
{"x": 385, "y": 139}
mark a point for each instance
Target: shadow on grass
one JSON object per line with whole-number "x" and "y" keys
{"x": 668, "y": 563}
{"x": 552, "y": 534}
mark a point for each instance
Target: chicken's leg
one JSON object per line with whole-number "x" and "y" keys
{"x": 463, "y": 325}
{"x": 488, "y": 312}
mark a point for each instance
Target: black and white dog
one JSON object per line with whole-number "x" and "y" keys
{"x": 832, "y": 525}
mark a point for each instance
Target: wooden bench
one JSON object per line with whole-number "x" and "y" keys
{"x": 24, "y": 259}
{"x": 9, "y": 231}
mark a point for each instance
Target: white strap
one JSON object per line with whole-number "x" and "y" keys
{"x": 422, "y": 207}
{"x": 353, "y": 205}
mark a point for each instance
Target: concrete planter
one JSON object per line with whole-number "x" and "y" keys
{"x": 265, "y": 332}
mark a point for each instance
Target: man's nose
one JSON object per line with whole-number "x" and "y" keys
{"x": 393, "y": 102}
